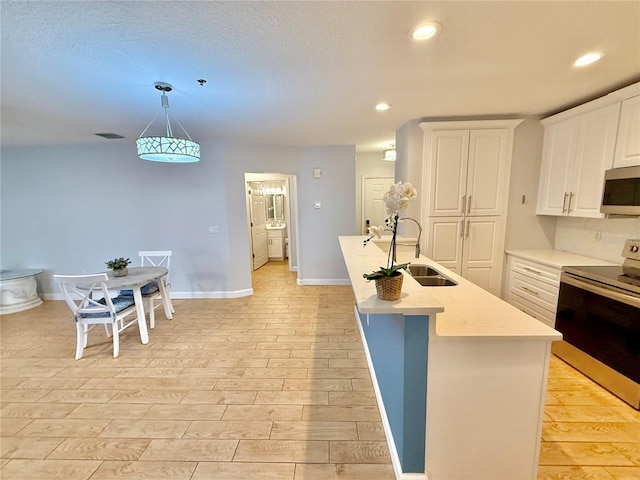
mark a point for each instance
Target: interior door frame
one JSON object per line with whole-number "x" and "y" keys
{"x": 291, "y": 210}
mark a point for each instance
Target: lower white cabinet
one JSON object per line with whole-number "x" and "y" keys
{"x": 470, "y": 246}
{"x": 533, "y": 288}
{"x": 275, "y": 243}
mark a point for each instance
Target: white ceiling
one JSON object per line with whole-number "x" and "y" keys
{"x": 299, "y": 72}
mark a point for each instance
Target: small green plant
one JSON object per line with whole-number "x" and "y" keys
{"x": 394, "y": 271}
{"x": 118, "y": 263}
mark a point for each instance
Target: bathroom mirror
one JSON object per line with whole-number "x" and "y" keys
{"x": 275, "y": 207}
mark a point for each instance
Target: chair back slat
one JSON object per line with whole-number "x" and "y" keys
{"x": 156, "y": 258}
{"x": 79, "y": 291}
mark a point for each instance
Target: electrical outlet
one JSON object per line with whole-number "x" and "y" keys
{"x": 214, "y": 229}
{"x": 598, "y": 235}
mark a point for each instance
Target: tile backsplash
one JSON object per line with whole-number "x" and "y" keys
{"x": 596, "y": 237}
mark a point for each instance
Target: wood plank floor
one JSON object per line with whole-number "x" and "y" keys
{"x": 269, "y": 387}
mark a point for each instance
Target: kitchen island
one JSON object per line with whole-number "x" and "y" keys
{"x": 460, "y": 375}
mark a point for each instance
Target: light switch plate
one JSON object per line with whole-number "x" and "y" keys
{"x": 317, "y": 173}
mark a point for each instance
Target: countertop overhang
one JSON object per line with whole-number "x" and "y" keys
{"x": 464, "y": 310}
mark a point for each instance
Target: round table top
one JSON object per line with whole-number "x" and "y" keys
{"x": 16, "y": 274}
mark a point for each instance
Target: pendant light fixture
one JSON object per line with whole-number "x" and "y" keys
{"x": 168, "y": 149}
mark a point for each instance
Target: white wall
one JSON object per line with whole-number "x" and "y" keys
{"x": 322, "y": 261}
{"x": 524, "y": 228}
{"x": 69, "y": 209}
{"x": 409, "y": 159}
{"x": 369, "y": 164}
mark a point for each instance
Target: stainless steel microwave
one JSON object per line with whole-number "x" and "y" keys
{"x": 621, "y": 191}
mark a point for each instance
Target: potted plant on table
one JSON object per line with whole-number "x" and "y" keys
{"x": 389, "y": 279}
{"x": 119, "y": 266}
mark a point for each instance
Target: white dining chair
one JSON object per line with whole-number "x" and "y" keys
{"x": 151, "y": 291}
{"x": 88, "y": 298}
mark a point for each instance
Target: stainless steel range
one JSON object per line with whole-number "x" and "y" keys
{"x": 599, "y": 317}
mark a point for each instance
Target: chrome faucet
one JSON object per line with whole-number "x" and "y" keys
{"x": 419, "y": 234}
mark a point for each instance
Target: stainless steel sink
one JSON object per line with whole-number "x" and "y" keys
{"x": 435, "y": 281}
{"x": 422, "y": 271}
{"x": 430, "y": 277}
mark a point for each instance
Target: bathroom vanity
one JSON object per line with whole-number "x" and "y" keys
{"x": 276, "y": 234}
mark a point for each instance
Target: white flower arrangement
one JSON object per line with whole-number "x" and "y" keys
{"x": 396, "y": 199}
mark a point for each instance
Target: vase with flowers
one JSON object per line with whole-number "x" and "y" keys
{"x": 389, "y": 279}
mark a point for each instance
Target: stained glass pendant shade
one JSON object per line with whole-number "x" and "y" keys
{"x": 168, "y": 149}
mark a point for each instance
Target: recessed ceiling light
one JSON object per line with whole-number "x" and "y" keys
{"x": 588, "y": 59}
{"x": 426, "y": 31}
{"x": 381, "y": 107}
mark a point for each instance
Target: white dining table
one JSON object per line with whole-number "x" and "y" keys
{"x": 135, "y": 280}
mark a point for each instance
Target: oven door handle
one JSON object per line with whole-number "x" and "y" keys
{"x": 594, "y": 287}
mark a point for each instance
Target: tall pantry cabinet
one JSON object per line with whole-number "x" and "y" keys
{"x": 466, "y": 169}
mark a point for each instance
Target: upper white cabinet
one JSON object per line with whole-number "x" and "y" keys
{"x": 469, "y": 169}
{"x": 628, "y": 143}
{"x": 579, "y": 145}
{"x": 575, "y": 154}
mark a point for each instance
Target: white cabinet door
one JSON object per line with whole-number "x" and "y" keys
{"x": 444, "y": 241}
{"x": 275, "y": 244}
{"x": 482, "y": 252}
{"x": 468, "y": 170}
{"x": 594, "y": 155}
{"x": 448, "y": 179}
{"x": 628, "y": 142}
{"x": 471, "y": 247}
{"x": 558, "y": 151}
{"x": 487, "y": 171}
{"x": 575, "y": 154}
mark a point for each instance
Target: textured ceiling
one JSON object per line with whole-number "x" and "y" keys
{"x": 299, "y": 73}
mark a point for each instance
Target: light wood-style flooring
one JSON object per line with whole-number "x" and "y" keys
{"x": 269, "y": 387}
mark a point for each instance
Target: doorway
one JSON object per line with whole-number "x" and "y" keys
{"x": 374, "y": 210}
{"x": 272, "y": 224}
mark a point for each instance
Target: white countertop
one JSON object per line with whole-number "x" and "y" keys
{"x": 464, "y": 310}
{"x": 557, "y": 258}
